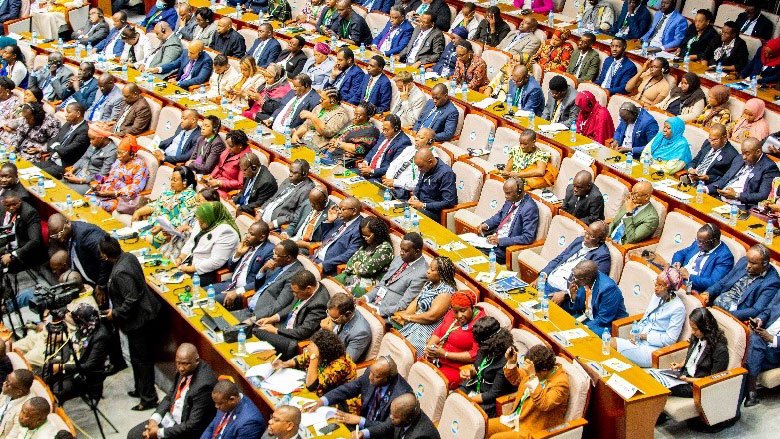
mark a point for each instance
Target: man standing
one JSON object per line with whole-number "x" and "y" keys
{"x": 81, "y": 240}
{"x": 583, "y": 199}
{"x": 435, "y": 189}
{"x": 26, "y": 251}
{"x": 517, "y": 221}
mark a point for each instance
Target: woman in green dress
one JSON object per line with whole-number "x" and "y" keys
{"x": 176, "y": 205}
{"x": 369, "y": 263}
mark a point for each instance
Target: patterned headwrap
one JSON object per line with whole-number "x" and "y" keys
{"x": 464, "y": 299}
{"x": 673, "y": 278}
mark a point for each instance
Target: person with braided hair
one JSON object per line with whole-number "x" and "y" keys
{"x": 324, "y": 122}
{"x": 356, "y": 139}
{"x": 484, "y": 381}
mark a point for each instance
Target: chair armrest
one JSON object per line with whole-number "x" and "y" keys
{"x": 625, "y": 321}
{"x": 717, "y": 396}
{"x": 625, "y": 248}
{"x": 222, "y": 272}
{"x": 668, "y": 353}
{"x": 146, "y": 133}
{"x": 340, "y": 268}
{"x": 504, "y": 400}
{"x": 197, "y": 86}
{"x": 516, "y": 248}
{"x": 460, "y": 206}
{"x": 558, "y": 430}
{"x": 246, "y": 296}
{"x": 310, "y": 246}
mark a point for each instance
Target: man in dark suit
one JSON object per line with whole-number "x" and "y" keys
{"x": 515, "y": 223}
{"x": 258, "y": 187}
{"x": 752, "y": 22}
{"x": 10, "y": 10}
{"x": 396, "y": 34}
{"x": 748, "y": 288}
{"x": 84, "y": 85}
{"x": 341, "y": 231}
{"x": 376, "y": 5}
{"x": 113, "y": 45}
{"x": 706, "y": 260}
{"x": 305, "y": 227}
{"x": 9, "y": 182}
{"x": 187, "y": 22}
{"x": 237, "y": 416}
{"x": 299, "y": 320}
{"x": 387, "y": 147}
{"x": 435, "y": 189}
{"x": 378, "y": 387}
{"x": 749, "y": 179}
{"x": 583, "y": 199}
{"x": 714, "y": 158}
{"x": 81, "y": 240}
{"x": 179, "y": 147}
{"x": 616, "y": 69}
{"x": 273, "y": 291}
{"x": 408, "y": 421}
{"x": 426, "y": 44}
{"x": 288, "y": 115}
{"x": 133, "y": 309}
{"x": 135, "y": 118}
{"x": 69, "y": 144}
{"x": 439, "y": 114}
{"x": 252, "y": 254}
{"x": 281, "y": 207}
{"x": 27, "y": 250}
{"x": 346, "y": 77}
{"x": 285, "y": 423}
{"x": 594, "y": 298}
{"x": 590, "y": 247}
{"x": 53, "y": 78}
{"x": 95, "y": 31}
{"x": 226, "y": 40}
{"x": 189, "y": 399}
{"x": 348, "y": 323}
{"x": 436, "y": 8}
{"x": 266, "y": 48}
{"x": 645, "y": 128}
{"x": 192, "y": 68}
{"x": 764, "y": 349}
{"x": 375, "y": 87}
{"x": 349, "y": 26}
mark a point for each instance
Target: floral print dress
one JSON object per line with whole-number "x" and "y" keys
{"x": 365, "y": 267}
{"x": 339, "y": 371}
{"x": 129, "y": 179}
{"x": 27, "y": 138}
{"x": 177, "y": 208}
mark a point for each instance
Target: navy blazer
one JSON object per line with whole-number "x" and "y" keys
{"x": 10, "y": 10}
{"x": 436, "y": 188}
{"x": 263, "y": 253}
{"x": 607, "y": 304}
{"x": 246, "y": 421}
{"x": 718, "y": 263}
{"x": 85, "y": 238}
{"x": 620, "y": 78}
{"x": 342, "y": 248}
{"x": 350, "y": 84}
{"x": 311, "y": 100}
{"x": 168, "y": 14}
{"x": 201, "y": 70}
{"x": 119, "y": 45}
{"x": 645, "y": 128}
{"x": 443, "y": 120}
{"x": 447, "y": 59}
{"x": 381, "y": 93}
{"x": 756, "y": 296}
{"x": 722, "y": 162}
{"x": 188, "y": 149}
{"x": 762, "y": 29}
{"x": 600, "y": 256}
{"x": 377, "y": 5}
{"x": 674, "y": 33}
{"x": 398, "y": 144}
{"x": 524, "y": 224}
{"x": 399, "y": 41}
{"x": 758, "y": 184}
{"x": 357, "y": 30}
{"x": 638, "y": 24}
{"x": 86, "y": 94}
{"x": 533, "y": 97}
{"x": 270, "y": 52}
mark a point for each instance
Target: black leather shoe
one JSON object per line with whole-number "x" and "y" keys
{"x": 132, "y": 394}
{"x": 751, "y": 400}
{"x": 140, "y": 407}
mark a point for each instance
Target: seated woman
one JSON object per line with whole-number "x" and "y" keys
{"x": 542, "y": 395}
{"x": 765, "y": 65}
{"x": 164, "y": 10}
{"x": 752, "y": 122}
{"x": 531, "y": 163}
{"x": 266, "y": 99}
{"x": 669, "y": 149}
{"x": 324, "y": 122}
{"x": 484, "y": 380}
{"x": 176, "y": 205}
{"x": 452, "y": 344}
{"x": 687, "y": 100}
{"x": 312, "y": 9}
{"x": 717, "y": 110}
{"x": 555, "y": 52}
{"x": 649, "y": 86}
{"x": 245, "y": 87}
{"x": 493, "y": 28}
{"x": 37, "y": 128}
{"x": 14, "y": 65}
{"x": 206, "y": 26}
{"x": 708, "y": 352}
{"x": 209, "y": 147}
{"x": 370, "y": 262}
{"x": 189, "y": 227}
{"x": 278, "y": 10}
{"x": 10, "y": 121}
{"x": 9, "y": 102}
{"x": 227, "y": 175}
{"x": 126, "y": 179}
{"x": 356, "y": 139}
{"x": 319, "y": 66}
{"x": 327, "y": 366}
{"x": 425, "y": 313}
{"x": 593, "y": 120}
{"x": 213, "y": 246}
{"x": 661, "y": 324}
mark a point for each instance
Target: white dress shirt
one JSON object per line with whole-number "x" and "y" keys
{"x": 411, "y": 57}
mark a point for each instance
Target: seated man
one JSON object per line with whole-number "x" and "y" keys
{"x": 259, "y": 184}
{"x": 749, "y": 179}
{"x": 426, "y": 45}
{"x": 616, "y": 70}
{"x": 350, "y": 26}
{"x": 95, "y": 31}
{"x": 388, "y": 146}
{"x": 591, "y": 247}
{"x": 179, "y": 147}
{"x": 348, "y": 323}
{"x": 636, "y": 129}
{"x": 9, "y": 182}
{"x": 285, "y": 423}
{"x": 192, "y": 68}
{"x": 346, "y": 77}
{"x": 521, "y": 91}
{"x": 583, "y": 199}
{"x": 169, "y": 51}
{"x": 593, "y": 297}
{"x": 401, "y": 174}
{"x": 69, "y": 144}
{"x": 185, "y": 27}
{"x": 33, "y": 420}
{"x": 113, "y": 45}
{"x": 714, "y": 158}
{"x": 523, "y": 41}
{"x": 706, "y": 260}
{"x": 637, "y": 219}
{"x": 227, "y": 40}
{"x": 669, "y": 34}
{"x": 403, "y": 281}
{"x": 280, "y": 208}
{"x": 237, "y": 416}
{"x": 252, "y": 254}
{"x": 84, "y": 86}
{"x": 764, "y": 349}
{"x": 560, "y": 107}
{"x": 516, "y": 223}
{"x": 408, "y": 419}
{"x": 287, "y": 115}
{"x": 435, "y": 190}
{"x": 53, "y": 79}
{"x": 136, "y": 117}
{"x": 375, "y": 87}
{"x": 266, "y": 48}
{"x": 306, "y": 225}
{"x": 96, "y": 161}
{"x": 272, "y": 285}
{"x": 16, "y": 391}
{"x": 299, "y": 320}
{"x": 395, "y": 35}
{"x": 26, "y": 251}
{"x": 748, "y": 288}
{"x": 439, "y": 114}
{"x": 341, "y": 232}
{"x": 223, "y": 77}
{"x": 108, "y": 103}
{"x": 585, "y": 60}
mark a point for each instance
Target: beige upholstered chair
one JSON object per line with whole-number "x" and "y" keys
{"x": 377, "y": 326}
{"x": 468, "y": 216}
{"x": 637, "y": 285}
{"x": 563, "y": 230}
{"x": 430, "y": 387}
{"x": 462, "y": 418}
{"x": 400, "y": 350}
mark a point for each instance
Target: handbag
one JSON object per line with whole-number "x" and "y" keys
{"x": 547, "y": 180}
{"x": 127, "y": 205}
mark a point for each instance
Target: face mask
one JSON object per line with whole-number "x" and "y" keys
{"x": 160, "y": 4}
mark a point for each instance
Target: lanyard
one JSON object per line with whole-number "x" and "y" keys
{"x": 527, "y": 392}
{"x": 345, "y": 28}
{"x": 454, "y": 326}
{"x": 481, "y": 370}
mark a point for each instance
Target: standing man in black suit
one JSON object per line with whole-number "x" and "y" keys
{"x": 583, "y": 199}
{"x": 187, "y": 408}
{"x": 273, "y": 284}
{"x": 133, "y": 310}
{"x": 26, "y": 251}
{"x": 714, "y": 158}
{"x": 259, "y": 184}
{"x": 408, "y": 420}
{"x": 69, "y": 144}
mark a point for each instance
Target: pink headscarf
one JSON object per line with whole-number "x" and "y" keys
{"x": 759, "y": 128}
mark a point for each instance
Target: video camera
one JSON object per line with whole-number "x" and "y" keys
{"x": 7, "y": 235}
{"x": 54, "y": 297}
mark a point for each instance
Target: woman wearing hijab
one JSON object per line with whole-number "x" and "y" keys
{"x": 267, "y": 98}
{"x": 660, "y": 326}
{"x": 319, "y": 66}
{"x": 669, "y": 149}
{"x": 752, "y": 122}
{"x": 484, "y": 380}
{"x": 555, "y": 52}
{"x": 686, "y": 100}
{"x": 126, "y": 179}
{"x": 716, "y": 110}
{"x": 765, "y": 66}
{"x": 212, "y": 247}
{"x": 593, "y": 120}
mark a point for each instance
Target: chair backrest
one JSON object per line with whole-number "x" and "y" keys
{"x": 396, "y": 346}
{"x": 736, "y": 106}
{"x": 18, "y": 361}
{"x": 156, "y": 106}
{"x": 616, "y": 260}
{"x": 737, "y": 248}
{"x": 692, "y": 6}
{"x": 563, "y": 230}
{"x": 566, "y": 172}
{"x": 244, "y": 222}
{"x": 545, "y": 217}
{"x": 78, "y": 17}
{"x": 495, "y": 60}
{"x": 279, "y": 170}
{"x": 376, "y": 22}
{"x": 469, "y": 181}
{"x": 752, "y": 43}
{"x": 537, "y": 72}
{"x": 579, "y": 388}
{"x": 310, "y": 266}
{"x": 154, "y": 42}
{"x": 614, "y": 192}
{"x": 773, "y": 117}
{"x": 162, "y": 181}
{"x": 691, "y": 302}
{"x": 492, "y": 309}
{"x": 167, "y": 122}
{"x": 570, "y": 9}
{"x": 660, "y": 117}
{"x": 662, "y": 208}
{"x": 615, "y": 101}
{"x": 506, "y": 138}
{"x": 332, "y": 286}
{"x": 524, "y": 340}
{"x": 637, "y": 285}
{"x": 152, "y": 164}
{"x": 461, "y": 116}
{"x": 600, "y": 93}
{"x": 60, "y": 421}
{"x": 491, "y": 199}
{"x": 430, "y": 387}
{"x": 736, "y": 334}
{"x": 40, "y": 61}
{"x": 25, "y": 9}
{"x": 726, "y": 12}
{"x": 250, "y": 36}
{"x": 695, "y": 136}
{"x": 555, "y": 153}
{"x": 377, "y": 326}
{"x": 679, "y": 231}
{"x": 476, "y": 130}
{"x": 39, "y": 388}
{"x": 462, "y": 418}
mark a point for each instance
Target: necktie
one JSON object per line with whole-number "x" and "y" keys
{"x": 289, "y": 111}
{"x": 610, "y": 73}
{"x": 379, "y": 153}
{"x": 184, "y": 382}
{"x": 179, "y": 142}
{"x": 657, "y": 27}
{"x": 244, "y": 260}
{"x": 742, "y": 171}
{"x": 373, "y": 406}
{"x": 747, "y": 25}
{"x": 308, "y": 229}
{"x": 385, "y": 37}
{"x": 188, "y": 70}
{"x": 369, "y": 87}
{"x": 578, "y": 65}
{"x": 293, "y": 314}
{"x": 333, "y": 236}
{"x": 508, "y": 215}
{"x": 222, "y": 423}
{"x": 398, "y": 273}
{"x": 620, "y": 230}
{"x": 704, "y": 166}
{"x": 259, "y": 49}
{"x": 557, "y": 111}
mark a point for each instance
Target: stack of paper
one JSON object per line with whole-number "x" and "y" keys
{"x": 553, "y": 127}
{"x": 254, "y": 347}
{"x": 284, "y": 381}
{"x": 476, "y": 240}
{"x": 484, "y": 103}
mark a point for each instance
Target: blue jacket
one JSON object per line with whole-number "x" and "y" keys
{"x": 186, "y": 151}
{"x": 447, "y": 59}
{"x": 10, "y": 10}
{"x": 758, "y": 184}
{"x": 722, "y": 161}
{"x": 607, "y": 304}
{"x": 119, "y": 45}
{"x": 524, "y": 224}
{"x": 638, "y": 25}
{"x": 436, "y": 188}
{"x": 756, "y": 296}
{"x": 381, "y": 92}
{"x": 399, "y": 41}
{"x": 620, "y": 78}
{"x": 443, "y": 120}
{"x": 311, "y": 100}
{"x": 398, "y": 144}
{"x": 674, "y": 34}
{"x": 600, "y": 256}
{"x": 269, "y": 54}
{"x": 246, "y": 421}
{"x": 532, "y": 98}
{"x": 342, "y": 248}
{"x": 168, "y": 14}
{"x": 718, "y": 263}
{"x": 86, "y": 94}
{"x": 645, "y": 128}
{"x": 262, "y": 254}
{"x": 349, "y": 83}
{"x": 201, "y": 70}
{"x": 376, "y": 5}
{"x": 755, "y": 67}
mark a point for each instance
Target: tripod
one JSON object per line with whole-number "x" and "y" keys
{"x": 59, "y": 348}
{"x": 8, "y": 292}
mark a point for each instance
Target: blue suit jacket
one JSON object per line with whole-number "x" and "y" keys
{"x": 398, "y": 144}
{"x": 119, "y": 46}
{"x": 381, "y": 93}
{"x": 399, "y": 41}
{"x": 756, "y": 296}
{"x": 262, "y": 254}
{"x": 10, "y": 10}
{"x": 443, "y": 120}
{"x": 758, "y": 184}
{"x": 645, "y": 128}
{"x": 620, "y": 78}
{"x": 342, "y": 248}
{"x": 720, "y": 262}
{"x": 524, "y": 224}
{"x": 600, "y": 256}
{"x": 168, "y": 14}
{"x": 607, "y": 304}
{"x": 379, "y": 5}
{"x": 201, "y": 71}
{"x": 269, "y": 54}
{"x": 311, "y": 100}
{"x": 86, "y": 94}
{"x": 350, "y": 86}
{"x": 363, "y": 389}
{"x": 637, "y": 25}
{"x": 246, "y": 421}
{"x": 533, "y": 97}
{"x": 186, "y": 152}
{"x": 674, "y": 34}
{"x": 447, "y": 59}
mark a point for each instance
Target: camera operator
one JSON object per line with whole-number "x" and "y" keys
{"x": 9, "y": 183}
{"x": 20, "y": 235}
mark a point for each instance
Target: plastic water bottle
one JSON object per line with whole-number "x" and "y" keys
{"x": 415, "y": 222}
{"x": 407, "y": 215}
{"x": 551, "y": 19}
{"x": 89, "y": 48}
{"x": 422, "y": 74}
{"x": 754, "y": 85}
{"x": 532, "y": 120}
{"x": 453, "y": 87}
{"x": 493, "y": 2}
{"x": 635, "y": 332}
{"x": 60, "y": 44}
{"x": 645, "y": 47}
{"x": 202, "y": 93}
{"x": 464, "y": 91}
{"x": 392, "y": 64}
{"x": 79, "y": 50}
{"x": 333, "y": 40}
{"x": 490, "y": 140}
{"x": 606, "y": 338}
{"x": 492, "y": 261}
{"x": 645, "y": 166}
{"x": 687, "y": 62}
{"x": 541, "y": 282}
{"x": 230, "y": 117}
{"x": 241, "y": 342}
{"x": 35, "y": 37}
{"x": 700, "y": 188}
{"x": 734, "y": 215}
{"x": 210, "y": 298}
{"x": 544, "y": 303}
{"x": 93, "y": 204}
{"x": 12, "y": 157}
{"x": 41, "y": 187}
{"x": 719, "y": 71}
{"x": 629, "y": 162}
{"x": 388, "y": 197}
{"x": 287, "y": 143}
{"x": 285, "y": 400}
{"x": 770, "y": 232}
{"x": 68, "y": 204}
{"x": 573, "y": 132}
{"x": 362, "y": 51}
{"x": 239, "y": 11}
{"x": 196, "y": 285}
{"x": 223, "y": 102}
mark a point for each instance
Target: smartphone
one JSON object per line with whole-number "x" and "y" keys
{"x": 330, "y": 428}
{"x": 752, "y": 323}
{"x": 755, "y": 226}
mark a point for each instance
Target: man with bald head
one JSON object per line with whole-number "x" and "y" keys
{"x": 714, "y": 158}
{"x": 33, "y": 420}
{"x": 284, "y": 423}
{"x": 97, "y": 160}
{"x": 583, "y": 199}
{"x": 170, "y": 48}
{"x": 179, "y": 147}
{"x": 227, "y": 41}
{"x": 523, "y": 90}
{"x": 113, "y": 45}
{"x": 592, "y": 297}
{"x": 408, "y": 420}
{"x": 637, "y": 219}
{"x": 53, "y": 78}
{"x": 306, "y": 225}
{"x": 522, "y": 41}
{"x": 136, "y": 116}
{"x": 591, "y": 247}
{"x": 259, "y": 184}
{"x": 402, "y": 173}
{"x": 187, "y": 407}
{"x": 435, "y": 190}
{"x": 341, "y": 232}
{"x": 193, "y": 68}
{"x": 749, "y": 179}
{"x": 439, "y": 114}
{"x": 251, "y": 255}
{"x": 636, "y": 129}
{"x": 517, "y": 221}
